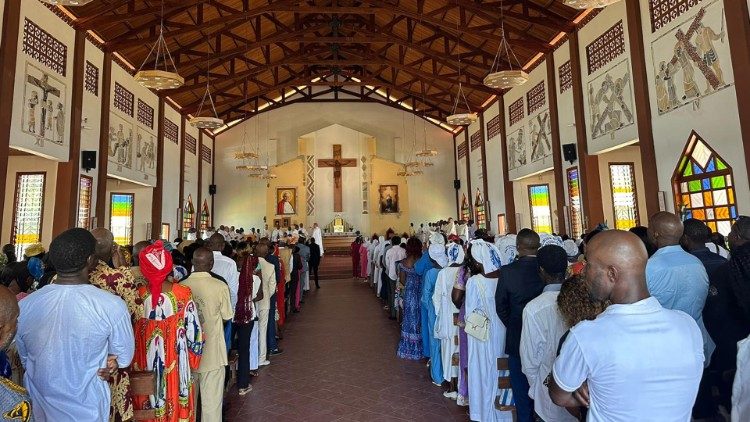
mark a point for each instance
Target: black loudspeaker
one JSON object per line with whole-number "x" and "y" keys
{"x": 457, "y": 184}
{"x": 569, "y": 152}
{"x": 88, "y": 160}
{"x": 212, "y": 189}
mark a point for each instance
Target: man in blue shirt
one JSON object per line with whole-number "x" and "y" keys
{"x": 674, "y": 277}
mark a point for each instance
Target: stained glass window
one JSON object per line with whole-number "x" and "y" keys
{"x": 465, "y": 209}
{"x": 574, "y": 206}
{"x": 703, "y": 186}
{"x": 121, "y": 217}
{"x": 205, "y": 216}
{"x": 541, "y": 212}
{"x": 479, "y": 212}
{"x": 28, "y": 209}
{"x": 85, "y": 188}
{"x": 188, "y": 215}
{"x": 624, "y": 199}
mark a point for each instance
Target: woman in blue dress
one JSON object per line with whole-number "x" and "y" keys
{"x": 410, "y": 346}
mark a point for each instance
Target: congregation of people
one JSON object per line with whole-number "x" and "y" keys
{"x": 94, "y": 331}
{"x": 647, "y": 325}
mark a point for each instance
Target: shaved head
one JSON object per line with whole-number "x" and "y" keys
{"x": 616, "y": 267}
{"x": 527, "y": 242}
{"x": 137, "y": 248}
{"x": 216, "y": 242}
{"x": 8, "y": 317}
{"x": 104, "y": 242}
{"x": 203, "y": 260}
{"x": 665, "y": 229}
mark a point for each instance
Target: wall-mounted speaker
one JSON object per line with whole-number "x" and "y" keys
{"x": 569, "y": 152}
{"x": 88, "y": 160}
{"x": 457, "y": 184}
{"x": 212, "y": 189}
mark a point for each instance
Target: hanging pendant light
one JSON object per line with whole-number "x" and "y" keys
{"x": 160, "y": 78}
{"x": 207, "y": 122}
{"x": 505, "y": 78}
{"x": 456, "y": 118}
{"x": 425, "y": 151}
{"x": 589, "y": 4}
{"x": 244, "y": 154}
{"x": 67, "y": 2}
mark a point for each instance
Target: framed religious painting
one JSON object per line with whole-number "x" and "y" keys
{"x": 286, "y": 201}
{"x": 388, "y": 199}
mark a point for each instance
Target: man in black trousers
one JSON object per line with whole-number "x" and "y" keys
{"x": 314, "y": 261}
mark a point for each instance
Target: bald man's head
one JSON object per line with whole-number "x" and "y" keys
{"x": 8, "y": 317}
{"x": 203, "y": 260}
{"x": 616, "y": 266}
{"x": 216, "y": 242}
{"x": 527, "y": 242}
{"x": 104, "y": 242}
{"x": 137, "y": 248}
{"x": 664, "y": 229}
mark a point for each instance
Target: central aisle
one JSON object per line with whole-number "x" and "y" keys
{"x": 339, "y": 363}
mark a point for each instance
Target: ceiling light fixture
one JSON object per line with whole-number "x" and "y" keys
{"x": 207, "y": 122}
{"x": 508, "y": 78}
{"x": 456, "y": 118}
{"x": 160, "y": 78}
{"x": 67, "y": 2}
{"x": 589, "y": 4}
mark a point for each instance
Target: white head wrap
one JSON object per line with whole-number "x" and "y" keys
{"x": 437, "y": 253}
{"x": 507, "y": 247}
{"x": 570, "y": 248}
{"x": 455, "y": 253}
{"x": 547, "y": 239}
{"x": 437, "y": 239}
{"x": 486, "y": 254}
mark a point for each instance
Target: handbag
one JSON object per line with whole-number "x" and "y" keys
{"x": 477, "y": 322}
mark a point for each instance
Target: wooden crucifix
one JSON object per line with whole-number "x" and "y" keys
{"x": 337, "y": 162}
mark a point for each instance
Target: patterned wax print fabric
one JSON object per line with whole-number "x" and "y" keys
{"x": 169, "y": 342}
{"x": 410, "y": 346}
{"x": 15, "y": 404}
{"x": 120, "y": 282}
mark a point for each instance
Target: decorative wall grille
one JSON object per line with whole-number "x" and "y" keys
{"x": 91, "y": 78}
{"x": 190, "y": 143}
{"x": 43, "y": 47}
{"x": 145, "y": 114}
{"x": 605, "y": 48}
{"x": 515, "y": 111}
{"x": 123, "y": 99}
{"x": 664, "y": 11}
{"x": 462, "y": 150}
{"x": 493, "y": 127}
{"x": 171, "y": 132}
{"x": 206, "y": 154}
{"x": 536, "y": 98}
{"x": 476, "y": 140}
{"x": 566, "y": 77}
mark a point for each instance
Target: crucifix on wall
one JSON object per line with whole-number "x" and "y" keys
{"x": 337, "y": 163}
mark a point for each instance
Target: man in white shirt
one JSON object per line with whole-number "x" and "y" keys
{"x": 275, "y": 234}
{"x": 317, "y": 234}
{"x": 542, "y": 328}
{"x": 303, "y": 230}
{"x": 268, "y": 275}
{"x": 394, "y": 254}
{"x": 636, "y": 361}
{"x": 225, "y": 267}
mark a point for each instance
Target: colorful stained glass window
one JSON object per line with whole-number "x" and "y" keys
{"x": 574, "y": 204}
{"x": 205, "y": 216}
{"x": 541, "y": 212}
{"x": 121, "y": 217}
{"x": 703, "y": 187}
{"x": 188, "y": 216}
{"x": 624, "y": 199}
{"x": 85, "y": 188}
{"x": 465, "y": 209}
{"x": 28, "y": 209}
{"x": 480, "y": 214}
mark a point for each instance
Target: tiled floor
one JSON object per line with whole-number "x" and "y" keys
{"x": 340, "y": 364}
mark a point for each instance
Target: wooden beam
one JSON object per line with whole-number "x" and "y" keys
{"x": 588, "y": 165}
{"x": 157, "y": 198}
{"x": 67, "y": 183}
{"x": 181, "y": 189}
{"x": 643, "y": 107}
{"x": 510, "y": 202}
{"x": 101, "y": 179}
{"x": 554, "y": 120}
{"x": 738, "y": 28}
{"x": 8, "y": 56}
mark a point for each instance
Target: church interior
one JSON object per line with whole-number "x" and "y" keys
{"x": 166, "y": 119}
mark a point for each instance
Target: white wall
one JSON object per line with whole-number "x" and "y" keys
{"x": 171, "y": 183}
{"x": 463, "y": 176}
{"x": 475, "y": 162}
{"x": 191, "y": 174}
{"x": 495, "y": 157}
{"x": 91, "y": 111}
{"x": 241, "y": 202}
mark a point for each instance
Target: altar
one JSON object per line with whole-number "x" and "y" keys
{"x": 338, "y": 236}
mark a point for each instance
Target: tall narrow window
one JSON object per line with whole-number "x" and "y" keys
{"x": 28, "y": 210}
{"x": 624, "y": 196}
{"x": 479, "y": 212}
{"x": 121, "y": 217}
{"x": 541, "y": 211}
{"x": 703, "y": 186}
{"x": 188, "y": 215}
{"x": 574, "y": 206}
{"x": 165, "y": 231}
{"x": 502, "y": 229}
{"x": 205, "y": 216}
{"x": 85, "y": 187}
{"x": 465, "y": 209}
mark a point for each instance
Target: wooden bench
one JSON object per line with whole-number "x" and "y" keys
{"x": 503, "y": 382}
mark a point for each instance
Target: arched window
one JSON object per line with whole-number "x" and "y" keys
{"x": 703, "y": 186}
{"x": 188, "y": 215}
{"x": 479, "y": 212}
{"x": 205, "y": 217}
{"x": 465, "y": 210}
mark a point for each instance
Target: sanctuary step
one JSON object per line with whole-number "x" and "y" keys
{"x": 338, "y": 245}
{"x": 335, "y": 267}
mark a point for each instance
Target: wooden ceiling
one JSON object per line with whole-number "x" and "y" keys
{"x": 263, "y": 55}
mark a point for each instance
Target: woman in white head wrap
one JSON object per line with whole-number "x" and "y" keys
{"x": 571, "y": 249}
{"x": 439, "y": 260}
{"x": 377, "y": 254}
{"x": 444, "y": 330}
{"x": 480, "y": 298}
{"x": 506, "y": 245}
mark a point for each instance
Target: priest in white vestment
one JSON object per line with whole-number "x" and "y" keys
{"x": 317, "y": 234}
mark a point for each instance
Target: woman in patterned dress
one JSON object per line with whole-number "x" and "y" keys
{"x": 410, "y": 346}
{"x": 168, "y": 339}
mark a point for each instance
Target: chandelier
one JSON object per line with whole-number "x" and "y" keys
{"x": 67, "y": 2}
{"x": 156, "y": 78}
{"x": 456, "y": 118}
{"x": 207, "y": 122}
{"x": 425, "y": 152}
{"x": 589, "y": 4}
{"x": 508, "y": 78}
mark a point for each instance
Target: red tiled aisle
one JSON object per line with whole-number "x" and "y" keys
{"x": 340, "y": 363}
